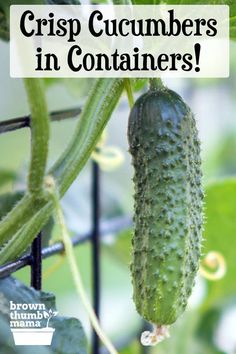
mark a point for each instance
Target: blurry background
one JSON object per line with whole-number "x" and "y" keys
{"x": 209, "y": 325}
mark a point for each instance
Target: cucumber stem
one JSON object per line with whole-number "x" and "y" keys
{"x": 158, "y": 334}
{"x": 156, "y": 84}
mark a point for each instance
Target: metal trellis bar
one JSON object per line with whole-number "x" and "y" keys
{"x": 36, "y": 263}
{"x": 107, "y": 227}
{"x": 96, "y": 247}
{"x": 24, "y": 122}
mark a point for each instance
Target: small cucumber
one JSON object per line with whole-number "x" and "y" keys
{"x": 166, "y": 244}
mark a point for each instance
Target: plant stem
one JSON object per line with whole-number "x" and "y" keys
{"x": 39, "y": 134}
{"x": 32, "y": 201}
{"x": 129, "y": 92}
{"x": 97, "y": 111}
{"x": 19, "y": 241}
{"x": 156, "y": 84}
{"x": 75, "y": 270}
{"x": 18, "y": 216}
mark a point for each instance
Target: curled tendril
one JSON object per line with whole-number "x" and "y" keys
{"x": 102, "y": 140}
{"x": 216, "y": 263}
{"x": 158, "y": 334}
{"x": 108, "y": 157}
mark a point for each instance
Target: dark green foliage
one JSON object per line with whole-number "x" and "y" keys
{"x": 68, "y": 338}
{"x": 168, "y": 204}
{"x": 4, "y": 31}
{"x": 5, "y": 14}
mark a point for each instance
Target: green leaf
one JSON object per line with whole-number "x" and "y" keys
{"x": 8, "y": 347}
{"x": 68, "y": 338}
{"x": 220, "y": 232}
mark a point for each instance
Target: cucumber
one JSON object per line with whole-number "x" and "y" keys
{"x": 166, "y": 245}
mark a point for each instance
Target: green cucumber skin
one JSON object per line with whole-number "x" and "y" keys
{"x": 166, "y": 244}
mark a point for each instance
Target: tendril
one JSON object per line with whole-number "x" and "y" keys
{"x": 216, "y": 264}
{"x": 108, "y": 157}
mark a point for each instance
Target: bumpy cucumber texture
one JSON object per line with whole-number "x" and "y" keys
{"x": 166, "y": 244}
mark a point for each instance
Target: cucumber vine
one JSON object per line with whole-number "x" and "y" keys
{"x": 39, "y": 128}
{"x": 23, "y": 223}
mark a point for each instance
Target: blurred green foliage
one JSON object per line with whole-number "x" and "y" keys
{"x": 219, "y": 235}
{"x": 222, "y": 161}
{"x": 230, "y": 3}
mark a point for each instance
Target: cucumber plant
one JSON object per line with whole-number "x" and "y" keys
{"x": 166, "y": 157}
{"x": 168, "y": 196}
